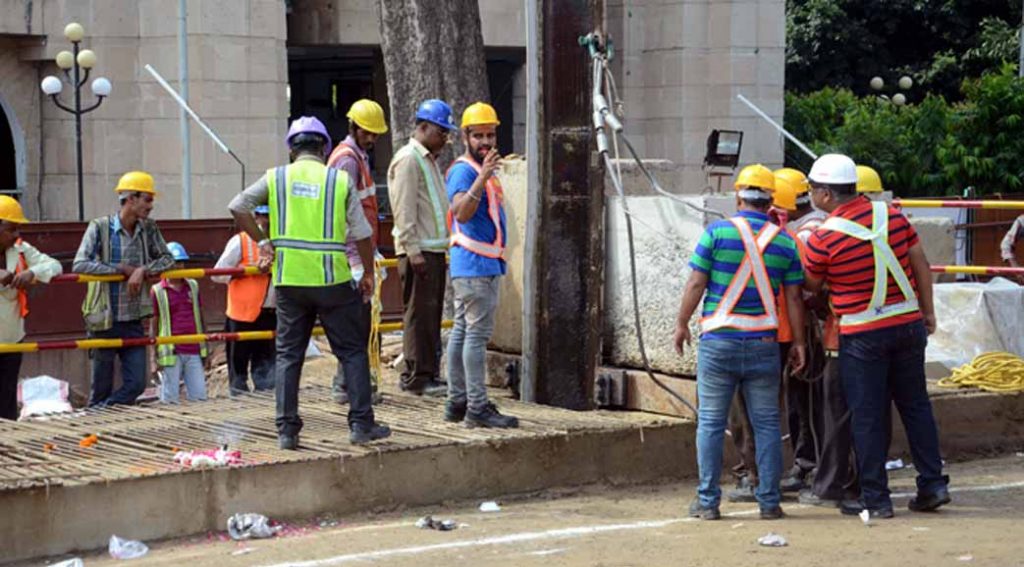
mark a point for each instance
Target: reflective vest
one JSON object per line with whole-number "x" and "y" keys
{"x": 496, "y": 248}
{"x": 246, "y": 294}
{"x": 307, "y": 224}
{"x": 439, "y": 241}
{"x": 751, "y": 267}
{"x": 366, "y": 189}
{"x": 886, "y": 264}
{"x": 165, "y": 353}
{"x": 20, "y": 267}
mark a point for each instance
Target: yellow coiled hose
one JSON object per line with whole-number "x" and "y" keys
{"x": 1001, "y": 372}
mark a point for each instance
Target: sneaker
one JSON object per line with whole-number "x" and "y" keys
{"x": 744, "y": 491}
{"x": 490, "y": 417}
{"x": 794, "y": 481}
{"x": 431, "y": 389}
{"x": 288, "y": 442}
{"x": 854, "y": 508}
{"x": 809, "y": 498}
{"x": 454, "y": 412}
{"x": 773, "y": 513}
{"x": 929, "y": 502}
{"x": 361, "y": 434}
{"x": 698, "y": 511}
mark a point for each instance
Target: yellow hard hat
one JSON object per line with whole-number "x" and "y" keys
{"x": 136, "y": 181}
{"x": 10, "y": 210}
{"x": 478, "y": 114}
{"x": 868, "y": 180}
{"x": 368, "y": 115}
{"x": 757, "y": 176}
{"x": 789, "y": 185}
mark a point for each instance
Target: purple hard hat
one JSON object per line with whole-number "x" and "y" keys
{"x": 308, "y": 125}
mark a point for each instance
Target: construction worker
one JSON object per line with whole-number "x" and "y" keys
{"x": 23, "y": 267}
{"x": 365, "y": 124}
{"x": 128, "y": 243}
{"x": 741, "y": 263}
{"x": 313, "y": 213}
{"x": 869, "y": 183}
{"x": 251, "y": 307}
{"x": 415, "y": 189}
{"x": 878, "y": 277}
{"x": 179, "y": 311}
{"x": 477, "y": 223}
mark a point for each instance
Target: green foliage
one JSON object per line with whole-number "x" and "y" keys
{"x": 929, "y": 148}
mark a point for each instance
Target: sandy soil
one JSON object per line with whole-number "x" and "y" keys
{"x": 643, "y": 526}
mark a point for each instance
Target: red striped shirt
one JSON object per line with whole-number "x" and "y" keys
{"x": 848, "y": 266}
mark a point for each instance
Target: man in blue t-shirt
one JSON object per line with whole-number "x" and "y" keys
{"x": 477, "y": 226}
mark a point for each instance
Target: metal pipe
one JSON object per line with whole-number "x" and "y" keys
{"x": 527, "y": 384}
{"x": 978, "y": 270}
{"x": 186, "y": 140}
{"x": 958, "y": 204}
{"x": 777, "y": 126}
{"x": 169, "y": 274}
{"x": 78, "y": 134}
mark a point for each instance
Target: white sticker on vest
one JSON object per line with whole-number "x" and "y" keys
{"x": 307, "y": 190}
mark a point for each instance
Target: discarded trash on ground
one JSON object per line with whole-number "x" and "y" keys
{"x": 429, "y": 523}
{"x": 966, "y": 558}
{"x": 243, "y": 551}
{"x": 894, "y": 465}
{"x": 126, "y": 548}
{"x": 490, "y": 506}
{"x": 737, "y": 525}
{"x": 208, "y": 458}
{"x": 73, "y": 562}
{"x": 43, "y": 395}
{"x": 251, "y": 526}
{"x": 865, "y": 516}
{"x": 920, "y": 529}
{"x": 772, "y": 540}
{"x": 89, "y": 441}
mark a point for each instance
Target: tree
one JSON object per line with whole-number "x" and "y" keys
{"x": 431, "y": 49}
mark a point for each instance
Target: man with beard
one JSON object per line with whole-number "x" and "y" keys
{"x": 365, "y": 124}
{"x": 477, "y": 224}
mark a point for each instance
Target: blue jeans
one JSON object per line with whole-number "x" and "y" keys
{"x": 133, "y": 366}
{"x": 187, "y": 368}
{"x": 753, "y": 365}
{"x": 878, "y": 368}
{"x": 476, "y": 300}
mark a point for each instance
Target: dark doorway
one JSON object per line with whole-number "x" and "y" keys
{"x": 8, "y": 160}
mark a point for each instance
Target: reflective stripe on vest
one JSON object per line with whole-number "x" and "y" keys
{"x": 751, "y": 267}
{"x": 440, "y": 241}
{"x": 369, "y": 189}
{"x": 20, "y": 267}
{"x": 165, "y": 353}
{"x": 246, "y": 294}
{"x": 308, "y": 203}
{"x": 495, "y": 194}
{"x": 886, "y": 264}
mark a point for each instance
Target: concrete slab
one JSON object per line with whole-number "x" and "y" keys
{"x": 52, "y": 497}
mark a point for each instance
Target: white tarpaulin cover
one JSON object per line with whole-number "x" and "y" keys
{"x": 975, "y": 318}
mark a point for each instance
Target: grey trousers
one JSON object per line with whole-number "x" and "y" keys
{"x": 476, "y": 300}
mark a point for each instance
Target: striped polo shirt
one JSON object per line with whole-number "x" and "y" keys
{"x": 848, "y": 267}
{"x": 719, "y": 254}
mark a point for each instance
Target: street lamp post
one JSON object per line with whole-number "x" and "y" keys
{"x": 72, "y": 63}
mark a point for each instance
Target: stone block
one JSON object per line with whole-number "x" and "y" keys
{"x": 220, "y": 18}
{"x": 120, "y": 149}
{"x": 222, "y": 58}
{"x": 266, "y": 100}
{"x": 159, "y": 18}
{"x": 744, "y": 68}
{"x": 744, "y": 24}
{"x": 673, "y": 70}
{"x": 771, "y": 25}
{"x": 161, "y": 143}
{"x": 695, "y": 67}
{"x": 508, "y": 331}
{"x": 267, "y": 19}
{"x": 265, "y": 58}
{"x": 771, "y": 67}
{"x": 720, "y": 25}
{"x": 162, "y": 54}
{"x": 695, "y": 24}
{"x": 114, "y": 18}
{"x": 719, "y": 68}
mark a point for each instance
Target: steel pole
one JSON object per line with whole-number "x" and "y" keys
{"x": 186, "y": 139}
{"x": 78, "y": 135}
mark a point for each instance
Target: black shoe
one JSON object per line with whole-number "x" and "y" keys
{"x": 341, "y": 397}
{"x": 809, "y": 498}
{"x": 854, "y": 508}
{"x": 377, "y": 397}
{"x": 929, "y": 502}
{"x": 288, "y": 442}
{"x": 744, "y": 492}
{"x": 490, "y": 417}
{"x": 774, "y": 513}
{"x": 361, "y": 434}
{"x": 795, "y": 481}
{"x": 431, "y": 389}
{"x": 454, "y": 412}
{"x": 698, "y": 511}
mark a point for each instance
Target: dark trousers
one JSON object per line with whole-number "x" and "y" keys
{"x": 798, "y": 417}
{"x": 836, "y": 478}
{"x": 341, "y": 312}
{"x": 10, "y": 364}
{"x": 877, "y": 367}
{"x": 133, "y": 366}
{"x": 257, "y": 354}
{"x": 423, "y": 301}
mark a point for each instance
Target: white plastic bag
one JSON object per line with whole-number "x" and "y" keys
{"x": 126, "y": 548}
{"x": 73, "y": 562}
{"x": 42, "y": 395}
{"x": 250, "y": 526}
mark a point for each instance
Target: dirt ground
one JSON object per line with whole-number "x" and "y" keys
{"x": 645, "y": 526}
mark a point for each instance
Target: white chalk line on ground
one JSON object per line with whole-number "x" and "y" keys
{"x": 574, "y": 532}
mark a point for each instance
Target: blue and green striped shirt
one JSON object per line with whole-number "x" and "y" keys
{"x": 719, "y": 254}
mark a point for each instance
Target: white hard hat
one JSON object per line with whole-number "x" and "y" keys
{"x": 833, "y": 169}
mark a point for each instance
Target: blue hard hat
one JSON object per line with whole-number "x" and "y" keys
{"x": 262, "y": 210}
{"x": 438, "y": 112}
{"x": 177, "y": 251}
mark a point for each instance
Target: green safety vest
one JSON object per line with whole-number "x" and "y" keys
{"x": 165, "y": 353}
{"x": 308, "y": 202}
{"x": 439, "y": 243}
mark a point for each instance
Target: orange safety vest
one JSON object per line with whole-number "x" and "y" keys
{"x": 20, "y": 267}
{"x": 752, "y": 267}
{"x": 495, "y": 194}
{"x": 366, "y": 190}
{"x": 246, "y": 294}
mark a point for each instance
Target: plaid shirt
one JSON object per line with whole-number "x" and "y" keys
{"x": 146, "y": 247}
